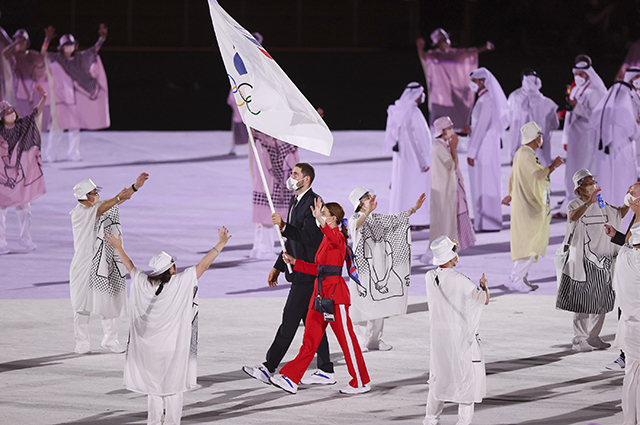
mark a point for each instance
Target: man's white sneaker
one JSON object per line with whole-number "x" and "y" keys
{"x": 518, "y": 286}
{"x": 582, "y": 346}
{"x": 382, "y": 346}
{"x": 260, "y": 372}
{"x": 81, "y": 349}
{"x": 28, "y": 245}
{"x": 617, "y": 364}
{"x": 114, "y": 347}
{"x": 284, "y": 383}
{"x": 352, "y": 390}
{"x": 319, "y": 377}
{"x": 598, "y": 344}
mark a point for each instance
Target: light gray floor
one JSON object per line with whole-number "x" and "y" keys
{"x": 533, "y": 377}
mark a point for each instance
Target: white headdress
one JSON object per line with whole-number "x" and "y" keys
{"x": 500, "y": 112}
{"x": 397, "y": 113}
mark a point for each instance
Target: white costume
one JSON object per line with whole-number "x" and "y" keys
{"x": 407, "y": 135}
{"x": 456, "y": 366}
{"x": 96, "y": 275}
{"x": 489, "y": 119}
{"x": 575, "y": 135}
{"x": 528, "y": 104}
{"x": 163, "y": 341}
{"x": 615, "y": 128}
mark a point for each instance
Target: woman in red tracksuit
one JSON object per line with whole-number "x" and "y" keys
{"x": 328, "y": 267}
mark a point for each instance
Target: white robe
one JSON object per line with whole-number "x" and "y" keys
{"x": 484, "y": 176}
{"x": 456, "y": 366}
{"x": 614, "y": 130}
{"x": 408, "y": 181}
{"x": 83, "y": 221}
{"x": 163, "y": 335}
{"x": 533, "y": 106}
{"x": 575, "y": 135}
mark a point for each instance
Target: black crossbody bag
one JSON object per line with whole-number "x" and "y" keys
{"x": 325, "y": 305}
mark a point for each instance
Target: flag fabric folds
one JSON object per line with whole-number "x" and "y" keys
{"x": 267, "y": 99}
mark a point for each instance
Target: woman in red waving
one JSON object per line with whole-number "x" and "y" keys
{"x": 329, "y": 306}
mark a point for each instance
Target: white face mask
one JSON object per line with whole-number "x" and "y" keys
{"x": 628, "y": 198}
{"x": 10, "y": 118}
{"x": 636, "y": 83}
{"x": 531, "y": 83}
{"x": 473, "y": 86}
{"x": 579, "y": 80}
{"x": 293, "y": 184}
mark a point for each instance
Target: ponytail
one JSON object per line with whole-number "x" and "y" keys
{"x": 337, "y": 211}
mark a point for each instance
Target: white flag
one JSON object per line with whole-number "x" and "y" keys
{"x": 267, "y": 99}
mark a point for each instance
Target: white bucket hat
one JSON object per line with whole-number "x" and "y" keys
{"x": 443, "y": 250}
{"x": 160, "y": 263}
{"x": 635, "y": 234}
{"x": 530, "y": 131}
{"x": 357, "y": 194}
{"x": 440, "y": 124}
{"x": 438, "y": 35}
{"x": 81, "y": 189}
{"x": 578, "y": 177}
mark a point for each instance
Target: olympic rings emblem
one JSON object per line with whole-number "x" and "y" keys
{"x": 246, "y": 100}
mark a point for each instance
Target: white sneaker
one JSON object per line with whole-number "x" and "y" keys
{"x": 352, "y": 390}
{"x": 284, "y": 383}
{"x": 4, "y": 250}
{"x": 382, "y": 346}
{"x": 582, "y": 346}
{"x": 82, "y": 349}
{"x": 617, "y": 364}
{"x": 319, "y": 377}
{"x": 28, "y": 245}
{"x": 260, "y": 372}
{"x": 598, "y": 344}
{"x": 114, "y": 347}
{"x": 518, "y": 286}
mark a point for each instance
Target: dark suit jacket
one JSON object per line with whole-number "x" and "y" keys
{"x": 303, "y": 237}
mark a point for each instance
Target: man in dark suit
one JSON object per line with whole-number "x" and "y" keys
{"x": 303, "y": 239}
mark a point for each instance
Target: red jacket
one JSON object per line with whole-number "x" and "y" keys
{"x": 332, "y": 252}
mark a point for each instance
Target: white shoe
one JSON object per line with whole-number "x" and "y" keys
{"x": 114, "y": 347}
{"x": 82, "y": 349}
{"x": 617, "y": 364}
{"x": 382, "y": 346}
{"x": 598, "y": 344}
{"x": 352, "y": 390}
{"x": 28, "y": 245}
{"x": 319, "y": 377}
{"x": 284, "y": 383}
{"x": 582, "y": 346}
{"x": 518, "y": 286}
{"x": 260, "y": 372}
{"x": 4, "y": 250}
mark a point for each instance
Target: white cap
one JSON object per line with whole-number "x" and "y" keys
{"x": 530, "y": 131}
{"x": 357, "y": 194}
{"x": 66, "y": 39}
{"x": 160, "y": 263}
{"x": 635, "y": 234}
{"x": 81, "y": 189}
{"x": 440, "y": 124}
{"x": 442, "y": 249}
{"x": 578, "y": 177}
{"x": 438, "y": 35}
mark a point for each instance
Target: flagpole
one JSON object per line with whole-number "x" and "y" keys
{"x": 266, "y": 189}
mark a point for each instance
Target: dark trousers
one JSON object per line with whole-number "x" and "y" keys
{"x": 295, "y": 310}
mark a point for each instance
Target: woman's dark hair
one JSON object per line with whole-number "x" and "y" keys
{"x": 161, "y": 278}
{"x": 336, "y": 210}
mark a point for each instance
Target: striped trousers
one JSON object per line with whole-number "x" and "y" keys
{"x": 315, "y": 327}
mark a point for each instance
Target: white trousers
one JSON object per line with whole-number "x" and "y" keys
{"x": 81, "y": 331}
{"x": 587, "y": 327}
{"x": 371, "y": 332}
{"x": 24, "y": 220}
{"x": 170, "y": 405}
{"x": 55, "y": 137}
{"x": 435, "y": 408}
{"x": 520, "y": 269}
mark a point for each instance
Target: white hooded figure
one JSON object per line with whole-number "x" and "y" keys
{"x": 614, "y": 126}
{"x": 528, "y": 104}
{"x": 489, "y": 119}
{"x": 407, "y": 135}
{"x": 584, "y": 97}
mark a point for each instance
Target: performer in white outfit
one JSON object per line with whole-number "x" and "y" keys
{"x": 449, "y": 207}
{"x": 163, "y": 330}
{"x": 97, "y": 276}
{"x": 382, "y": 253}
{"x": 584, "y": 97}
{"x": 407, "y": 135}
{"x": 530, "y": 192}
{"x": 614, "y": 125}
{"x": 626, "y": 283}
{"x": 528, "y": 104}
{"x": 489, "y": 119}
{"x": 456, "y": 363}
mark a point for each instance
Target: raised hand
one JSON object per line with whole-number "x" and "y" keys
{"x": 103, "y": 30}
{"x": 114, "y": 241}
{"x": 41, "y": 91}
{"x": 223, "y": 235}
{"x": 316, "y": 210}
{"x": 49, "y": 32}
{"x": 420, "y": 201}
{"x": 143, "y": 177}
